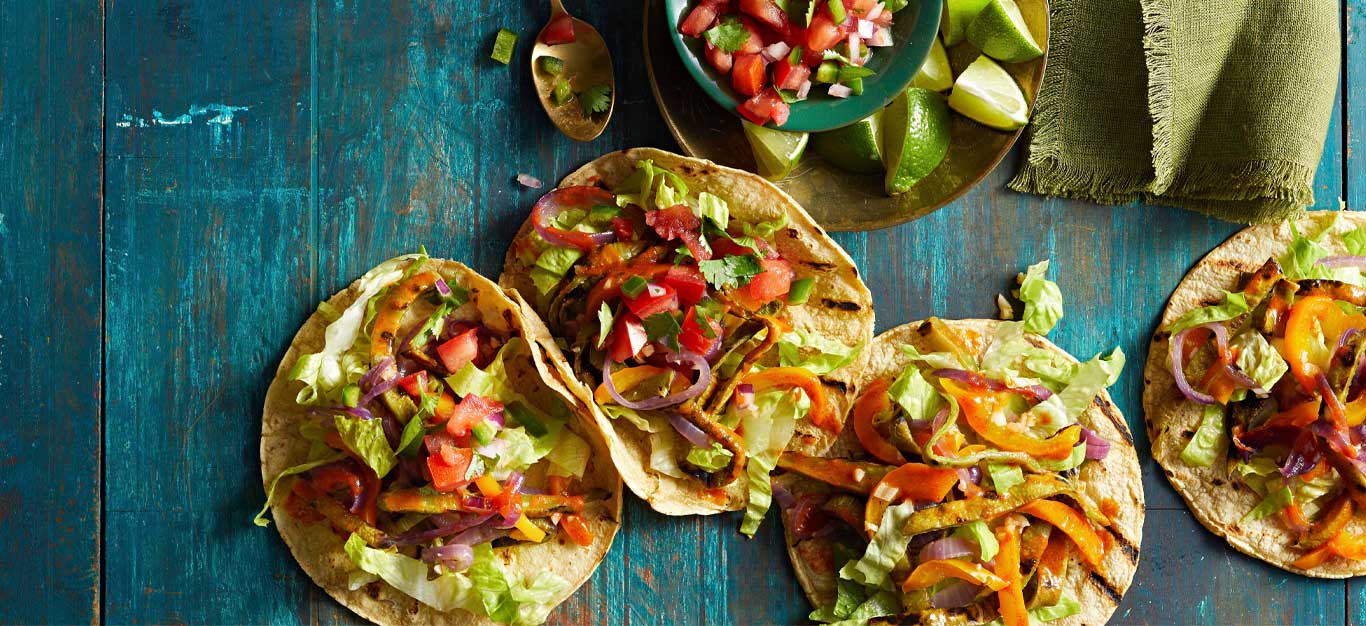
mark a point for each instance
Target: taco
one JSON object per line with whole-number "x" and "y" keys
{"x": 422, "y": 462}
{"x": 723, "y": 313}
{"x": 987, "y": 477}
{"x": 1255, "y": 393}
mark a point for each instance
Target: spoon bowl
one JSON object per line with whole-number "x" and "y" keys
{"x": 587, "y": 62}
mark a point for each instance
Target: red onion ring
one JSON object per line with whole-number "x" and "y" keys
{"x": 549, "y": 206}
{"x": 947, "y": 548}
{"x": 1179, "y": 370}
{"x": 442, "y": 288}
{"x": 1343, "y": 261}
{"x": 446, "y": 526}
{"x": 703, "y": 379}
{"x": 482, "y": 533}
{"x": 456, "y": 557}
{"x": 955, "y": 593}
{"x": 690, "y": 431}
{"x": 1097, "y": 448}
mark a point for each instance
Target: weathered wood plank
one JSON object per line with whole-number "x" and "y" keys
{"x": 50, "y": 454}
{"x": 209, "y": 272}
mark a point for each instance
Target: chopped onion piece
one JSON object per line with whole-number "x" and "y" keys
{"x": 778, "y": 50}
{"x": 855, "y": 48}
{"x": 954, "y": 594}
{"x": 947, "y": 548}
{"x": 883, "y": 491}
{"x": 875, "y": 11}
{"x": 840, "y": 91}
{"x": 882, "y": 38}
{"x": 804, "y": 90}
{"x": 866, "y": 29}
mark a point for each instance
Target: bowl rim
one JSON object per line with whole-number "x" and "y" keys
{"x": 724, "y": 96}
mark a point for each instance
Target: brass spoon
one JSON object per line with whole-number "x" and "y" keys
{"x": 587, "y": 62}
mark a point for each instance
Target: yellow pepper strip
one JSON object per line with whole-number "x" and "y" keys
{"x": 930, "y": 573}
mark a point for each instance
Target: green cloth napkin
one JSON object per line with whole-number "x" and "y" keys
{"x": 1215, "y": 105}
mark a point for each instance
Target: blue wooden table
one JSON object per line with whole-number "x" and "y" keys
{"x": 181, "y": 182}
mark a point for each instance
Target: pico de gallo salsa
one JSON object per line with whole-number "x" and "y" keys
{"x": 676, "y": 313}
{"x": 961, "y": 494}
{"x": 774, "y": 56}
{"x": 433, "y": 443}
{"x": 1278, "y": 370}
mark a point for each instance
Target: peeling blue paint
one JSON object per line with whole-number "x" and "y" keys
{"x": 217, "y": 115}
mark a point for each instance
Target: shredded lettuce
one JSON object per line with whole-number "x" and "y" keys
{"x": 366, "y": 439}
{"x": 1066, "y": 607}
{"x": 1004, "y": 476}
{"x": 444, "y": 593}
{"x": 616, "y": 411}
{"x": 979, "y": 533}
{"x": 1301, "y": 257}
{"x": 713, "y": 208}
{"x": 1209, "y": 441}
{"x": 1258, "y": 358}
{"x": 1355, "y": 241}
{"x": 767, "y": 430}
{"x": 1042, "y": 299}
{"x": 570, "y": 455}
{"x": 326, "y": 372}
{"x": 515, "y": 450}
{"x": 829, "y": 355}
{"x": 510, "y": 599}
{"x": 1272, "y": 503}
{"x": 1233, "y": 305}
{"x": 914, "y": 394}
{"x": 1007, "y": 345}
{"x": 1087, "y": 380}
{"x": 260, "y": 519}
{"x": 936, "y": 360}
{"x": 760, "y": 492}
{"x": 887, "y": 547}
{"x": 710, "y": 459}
{"x": 764, "y": 230}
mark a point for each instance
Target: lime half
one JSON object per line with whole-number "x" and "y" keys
{"x": 853, "y": 147}
{"x": 776, "y": 151}
{"x": 915, "y": 137}
{"x": 985, "y": 92}
{"x": 935, "y": 74}
{"x": 1001, "y": 33}
{"x": 957, "y": 15}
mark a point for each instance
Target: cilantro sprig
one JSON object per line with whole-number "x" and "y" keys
{"x": 731, "y": 271}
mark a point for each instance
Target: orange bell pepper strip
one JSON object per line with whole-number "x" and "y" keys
{"x": 628, "y": 378}
{"x": 933, "y": 572}
{"x": 916, "y": 482}
{"x": 1300, "y": 415}
{"x": 852, "y": 476}
{"x": 1074, "y": 525}
{"x": 1344, "y": 544}
{"x": 577, "y": 530}
{"x": 1302, "y": 349}
{"x": 977, "y": 410}
{"x": 391, "y": 312}
{"x": 1011, "y": 597}
{"x": 874, "y": 401}
{"x": 821, "y": 413}
{"x": 1218, "y": 382}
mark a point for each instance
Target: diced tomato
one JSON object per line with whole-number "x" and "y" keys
{"x": 765, "y": 106}
{"x": 436, "y": 440}
{"x": 560, "y": 30}
{"x": 774, "y": 282}
{"x": 471, "y": 410}
{"x": 779, "y": 111}
{"x": 811, "y": 58}
{"x": 413, "y": 383}
{"x": 628, "y": 337}
{"x": 789, "y": 76}
{"x": 822, "y": 34}
{"x": 687, "y": 281}
{"x": 623, "y": 228}
{"x": 747, "y": 74}
{"x": 719, "y": 59}
{"x": 699, "y": 19}
{"x": 448, "y": 467}
{"x": 655, "y": 299}
{"x": 461, "y": 349}
{"x": 765, "y": 11}
{"x": 750, "y": 110}
{"x": 694, "y": 338}
{"x": 755, "y": 43}
{"x": 577, "y": 530}
{"x": 679, "y": 222}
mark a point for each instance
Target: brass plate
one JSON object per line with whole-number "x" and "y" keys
{"x": 839, "y": 200}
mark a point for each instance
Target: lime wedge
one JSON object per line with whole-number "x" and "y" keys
{"x": 957, "y": 15}
{"x": 935, "y": 74}
{"x": 915, "y": 137}
{"x": 1001, "y": 33}
{"x": 776, "y": 151}
{"x": 985, "y": 92}
{"x": 853, "y": 147}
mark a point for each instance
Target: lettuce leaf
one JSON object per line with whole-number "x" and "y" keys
{"x": 1272, "y": 503}
{"x": 1355, "y": 241}
{"x": 1258, "y": 358}
{"x": 936, "y": 360}
{"x": 260, "y": 519}
{"x": 710, "y": 459}
{"x": 570, "y": 455}
{"x": 713, "y": 208}
{"x": 1233, "y": 305}
{"x": 914, "y": 394}
{"x": 829, "y": 355}
{"x": 509, "y": 599}
{"x": 1087, "y": 380}
{"x": 1042, "y": 299}
{"x": 979, "y": 533}
{"x": 1007, "y": 345}
{"x": 1066, "y": 607}
{"x": 1004, "y": 476}
{"x": 887, "y": 547}
{"x": 444, "y": 593}
{"x": 767, "y": 430}
{"x": 1209, "y": 441}
{"x": 366, "y": 439}
{"x": 764, "y": 230}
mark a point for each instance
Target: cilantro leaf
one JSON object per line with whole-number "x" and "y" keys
{"x": 664, "y": 328}
{"x": 731, "y": 271}
{"x": 596, "y": 99}
{"x": 729, "y": 35}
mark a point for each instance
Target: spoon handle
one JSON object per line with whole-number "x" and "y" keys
{"x": 557, "y": 8}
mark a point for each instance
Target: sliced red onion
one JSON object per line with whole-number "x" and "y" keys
{"x": 527, "y": 180}
{"x": 477, "y": 503}
{"x": 497, "y": 419}
{"x": 456, "y": 557}
{"x": 1343, "y": 261}
{"x": 954, "y": 594}
{"x": 840, "y": 91}
{"x": 392, "y": 433}
{"x": 1096, "y": 446}
{"x": 969, "y": 476}
{"x": 1304, "y": 455}
{"x": 804, "y": 90}
{"x": 447, "y": 525}
{"x": 874, "y": 12}
{"x": 480, "y": 534}
{"x": 408, "y": 339}
{"x": 549, "y": 207}
{"x": 695, "y": 360}
{"x": 776, "y": 51}
{"x": 442, "y": 288}
{"x": 380, "y": 379}
{"x": 947, "y": 548}
{"x": 855, "y": 49}
{"x": 1179, "y": 370}
{"x": 690, "y": 431}
{"x": 882, "y": 38}
{"x": 866, "y": 28}
{"x": 782, "y": 496}
{"x": 352, "y": 411}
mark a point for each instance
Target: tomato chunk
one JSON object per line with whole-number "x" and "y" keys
{"x": 628, "y": 337}
{"x": 560, "y": 30}
{"x": 461, "y": 349}
{"x": 778, "y": 109}
{"x": 765, "y": 11}
{"x": 655, "y": 299}
{"x": 719, "y": 59}
{"x": 789, "y": 76}
{"x": 413, "y": 384}
{"x": 694, "y": 338}
{"x": 448, "y": 467}
{"x": 699, "y": 19}
{"x": 771, "y": 284}
{"x": 747, "y": 74}
{"x": 687, "y": 282}
{"x": 822, "y": 34}
{"x": 471, "y": 410}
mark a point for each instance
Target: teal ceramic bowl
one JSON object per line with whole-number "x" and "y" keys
{"x": 913, "y": 32}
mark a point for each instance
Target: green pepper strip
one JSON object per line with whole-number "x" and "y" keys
{"x": 959, "y": 512}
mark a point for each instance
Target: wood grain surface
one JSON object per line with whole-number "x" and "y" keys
{"x": 183, "y": 181}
